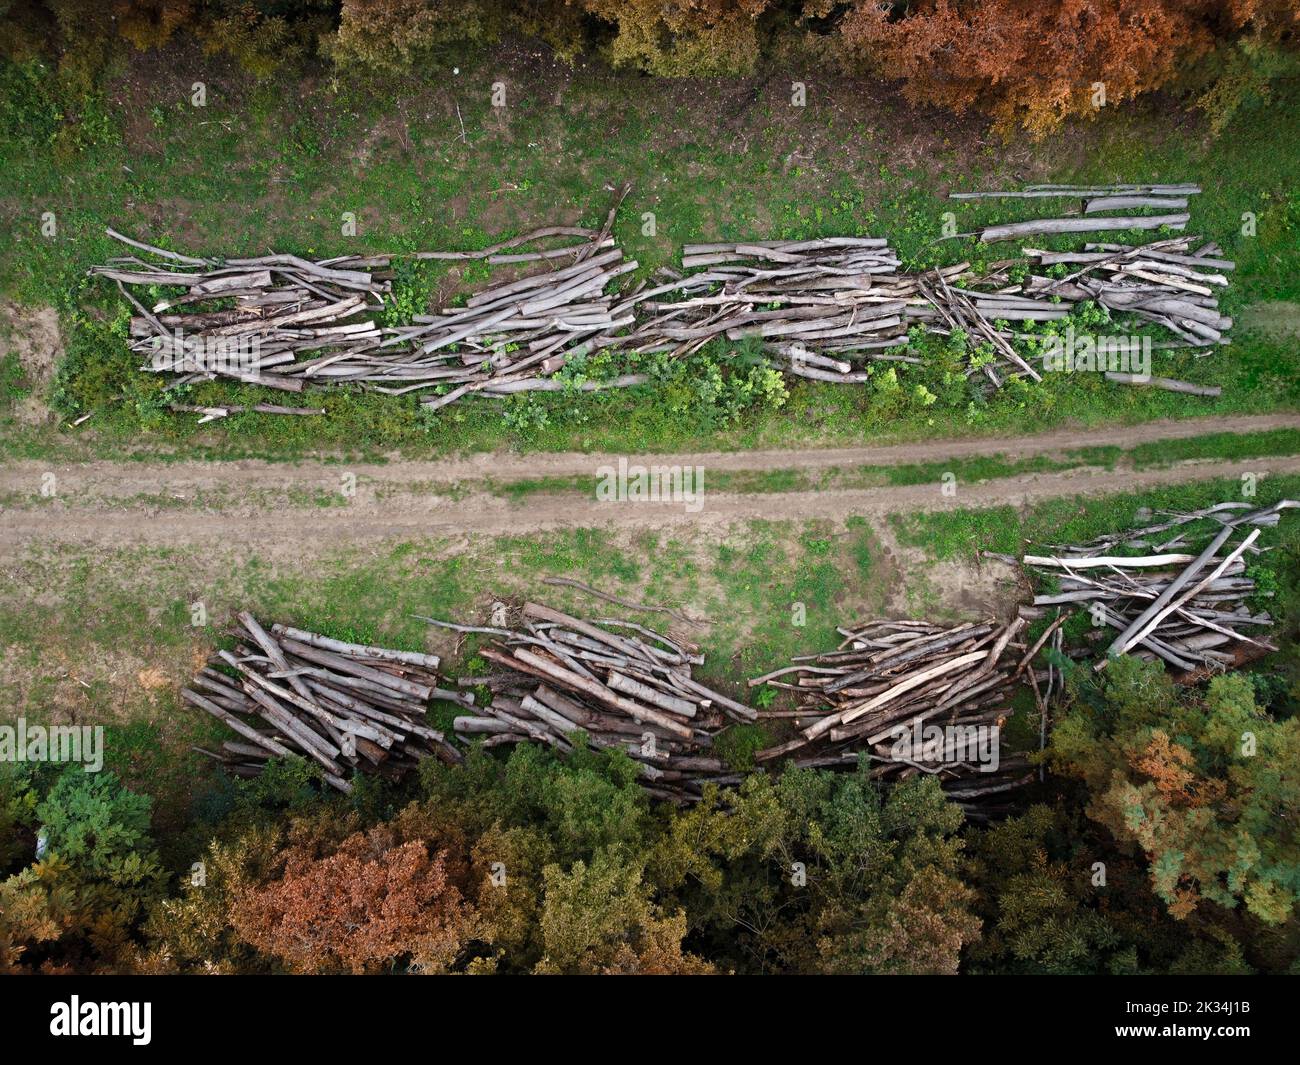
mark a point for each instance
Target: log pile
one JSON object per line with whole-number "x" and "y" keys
{"x": 286, "y": 322}
{"x": 821, "y": 309}
{"x": 249, "y": 319}
{"x": 824, "y": 308}
{"x": 1165, "y": 282}
{"x": 1187, "y": 607}
{"x": 839, "y": 296}
{"x": 1171, "y": 200}
{"x": 512, "y": 337}
{"x": 347, "y": 707}
{"x": 623, "y": 685}
{"x": 891, "y": 679}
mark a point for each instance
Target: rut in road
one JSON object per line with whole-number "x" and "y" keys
{"x": 85, "y": 484}
{"x": 288, "y": 532}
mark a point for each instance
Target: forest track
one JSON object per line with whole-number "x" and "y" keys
{"x": 249, "y": 507}
{"x": 124, "y": 480}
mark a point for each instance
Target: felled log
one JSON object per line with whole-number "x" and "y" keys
{"x": 213, "y": 413}
{"x": 907, "y": 696}
{"x": 347, "y": 707}
{"x": 1169, "y": 384}
{"x": 621, "y": 685}
{"x": 494, "y": 254}
{"x": 283, "y": 306}
{"x": 1031, "y": 192}
{"x": 1128, "y": 202}
{"x": 1172, "y": 199}
{"x": 1098, "y": 224}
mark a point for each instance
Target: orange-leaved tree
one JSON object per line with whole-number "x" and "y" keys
{"x": 1032, "y": 63}
{"x": 373, "y": 904}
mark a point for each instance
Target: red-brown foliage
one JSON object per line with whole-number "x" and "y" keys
{"x": 367, "y": 906}
{"x": 1034, "y": 63}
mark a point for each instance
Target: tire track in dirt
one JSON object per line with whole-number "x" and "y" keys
{"x": 127, "y": 480}
{"x": 290, "y": 532}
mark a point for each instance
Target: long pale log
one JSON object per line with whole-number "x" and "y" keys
{"x": 1143, "y": 625}
{"x": 1169, "y": 384}
{"x": 594, "y": 689}
{"x": 1082, "y": 225}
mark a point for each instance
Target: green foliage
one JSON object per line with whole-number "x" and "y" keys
{"x": 392, "y": 36}
{"x": 21, "y": 785}
{"x": 80, "y": 903}
{"x": 90, "y": 819}
{"x": 29, "y": 109}
{"x": 13, "y": 382}
{"x": 739, "y": 743}
{"x": 599, "y": 918}
{"x": 191, "y": 931}
{"x": 822, "y": 873}
{"x": 1193, "y": 781}
{"x": 1241, "y": 74}
{"x": 1045, "y": 914}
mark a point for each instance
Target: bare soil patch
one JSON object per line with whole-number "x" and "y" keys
{"x": 34, "y": 336}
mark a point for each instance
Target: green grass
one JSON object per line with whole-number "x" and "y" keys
{"x": 124, "y": 601}
{"x": 1217, "y": 446}
{"x": 764, "y": 591}
{"x": 236, "y": 176}
{"x": 1007, "y": 530}
{"x": 967, "y": 470}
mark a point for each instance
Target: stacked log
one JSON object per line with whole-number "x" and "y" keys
{"x": 1164, "y": 282}
{"x": 286, "y": 322}
{"x": 1096, "y": 200}
{"x": 887, "y": 682}
{"x": 1189, "y": 610}
{"x": 620, "y": 684}
{"x": 824, "y": 308}
{"x": 821, "y": 309}
{"x": 347, "y": 707}
{"x": 838, "y": 295}
{"x": 249, "y": 319}
{"x": 510, "y": 338}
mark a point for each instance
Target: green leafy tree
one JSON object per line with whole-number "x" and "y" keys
{"x": 1202, "y": 785}
{"x": 823, "y": 872}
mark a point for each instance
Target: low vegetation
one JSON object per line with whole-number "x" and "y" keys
{"x": 389, "y": 150}
{"x": 525, "y": 863}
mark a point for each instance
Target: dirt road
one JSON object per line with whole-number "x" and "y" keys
{"x": 279, "y": 509}
{"x": 127, "y": 480}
